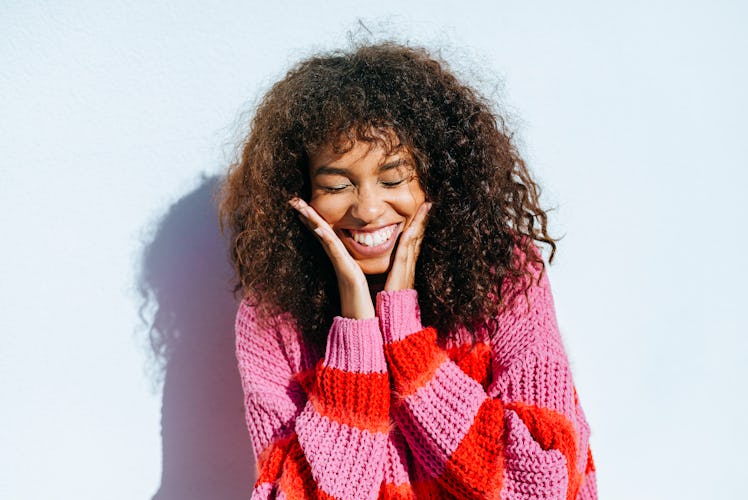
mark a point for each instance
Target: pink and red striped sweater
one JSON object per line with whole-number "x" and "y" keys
{"x": 390, "y": 411}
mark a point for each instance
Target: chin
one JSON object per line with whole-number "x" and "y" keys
{"x": 379, "y": 266}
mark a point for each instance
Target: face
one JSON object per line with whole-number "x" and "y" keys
{"x": 368, "y": 198}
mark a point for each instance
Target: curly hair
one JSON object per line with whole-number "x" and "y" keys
{"x": 486, "y": 204}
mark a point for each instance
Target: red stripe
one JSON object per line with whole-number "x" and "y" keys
{"x": 413, "y": 361}
{"x": 296, "y": 480}
{"x": 590, "y": 463}
{"x": 390, "y": 491}
{"x": 355, "y": 399}
{"x": 475, "y": 469}
{"x": 475, "y": 361}
{"x": 430, "y": 489}
{"x": 271, "y": 460}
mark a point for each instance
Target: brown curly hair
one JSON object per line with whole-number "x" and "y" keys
{"x": 485, "y": 202}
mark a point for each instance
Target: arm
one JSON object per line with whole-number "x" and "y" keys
{"x": 332, "y": 442}
{"x": 525, "y": 437}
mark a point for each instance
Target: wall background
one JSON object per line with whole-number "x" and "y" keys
{"x": 118, "y": 118}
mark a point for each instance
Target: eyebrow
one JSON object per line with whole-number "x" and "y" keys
{"x": 327, "y": 170}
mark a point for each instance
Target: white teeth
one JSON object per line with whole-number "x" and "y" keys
{"x": 373, "y": 239}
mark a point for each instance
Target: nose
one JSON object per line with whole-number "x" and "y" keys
{"x": 369, "y": 205}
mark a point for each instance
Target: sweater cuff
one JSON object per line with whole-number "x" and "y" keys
{"x": 399, "y": 314}
{"x": 355, "y": 345}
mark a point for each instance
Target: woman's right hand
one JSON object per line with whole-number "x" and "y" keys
{"x": 355, "y": 299}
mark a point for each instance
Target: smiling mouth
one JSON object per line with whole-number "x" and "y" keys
{"x": 372, "y": 239}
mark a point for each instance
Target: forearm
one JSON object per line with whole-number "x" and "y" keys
{"x": 328, "y": 437}
{"x": 343, "y": 429}
{"x": 473, "y": 444}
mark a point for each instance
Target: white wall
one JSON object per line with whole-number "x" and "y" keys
{"x": 116, "y": 119}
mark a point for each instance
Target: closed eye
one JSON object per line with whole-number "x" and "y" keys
{"x": 393, "y": 183}
{"x": 334, "y": 189}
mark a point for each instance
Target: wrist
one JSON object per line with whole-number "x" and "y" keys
{"x": 356, "y": 302}
{"x": 357, "y": 311}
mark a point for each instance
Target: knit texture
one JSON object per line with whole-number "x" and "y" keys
{"x": 390, "y": 411}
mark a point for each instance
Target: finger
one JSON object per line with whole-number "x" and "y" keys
{"x": 402, "y": 274}
{"x": 331, "y": 243}
{"x": 333, "y": 246}
{"x": 346, "y": 268}
{"x": 410, "y": 238}
{"x": 417, "y": 227}
{"x": 311, "y": 219}
{"x": 421, "y": 218}
{"x": 308, "y": 213}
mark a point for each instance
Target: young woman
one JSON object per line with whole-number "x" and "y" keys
{"x": 396, "y": 336}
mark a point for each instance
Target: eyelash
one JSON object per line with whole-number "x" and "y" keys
{"x": 333, "y": 189}
{"x": 387, "y": 184}
{"x": 393, "y": 183}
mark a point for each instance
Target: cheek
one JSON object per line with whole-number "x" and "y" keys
{"x": 329, "y": 209}
{"x": 412, "y": 201}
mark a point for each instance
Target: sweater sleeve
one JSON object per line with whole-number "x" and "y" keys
{"x": 525, "y": 437}
{"x": 322, "y": 435}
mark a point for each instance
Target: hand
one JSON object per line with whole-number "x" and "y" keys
{"x": 355, "y": 300}
{"x": 403, "y": 272}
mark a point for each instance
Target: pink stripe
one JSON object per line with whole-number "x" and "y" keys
{"x": 396, "y": 462}
{"x": 530, "y": 471}
{"x": 521, "y": 382}
{"x": 355, "y": 345}
{"x": 442, "y": 412}
{"x": 398, "y": 313}
{"x": 263, "y": 491}
{"x": 346, "y": 462}
{"x": 272, "y": 398}
{"x": 589, "y": 487}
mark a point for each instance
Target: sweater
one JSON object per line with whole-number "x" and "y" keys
{"x": 391, "y": 411}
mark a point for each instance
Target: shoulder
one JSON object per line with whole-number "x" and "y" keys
{"x": 526, "y": 322}
{"x": 268, "y": 340}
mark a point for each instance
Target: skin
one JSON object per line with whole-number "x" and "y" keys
{"x": 365, "y": 189}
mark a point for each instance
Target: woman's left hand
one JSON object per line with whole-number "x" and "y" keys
{"x": 403, "y": 272}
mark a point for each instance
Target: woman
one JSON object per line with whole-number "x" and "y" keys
{"x": 397, "y": 336}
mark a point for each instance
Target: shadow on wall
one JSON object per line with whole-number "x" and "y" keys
{"x": 189, "y": 312}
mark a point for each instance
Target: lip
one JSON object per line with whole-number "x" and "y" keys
{"x": 369, "y": 229}
{"x": 358, "y": 249}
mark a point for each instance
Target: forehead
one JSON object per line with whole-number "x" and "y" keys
{"x": 346, "y": 152}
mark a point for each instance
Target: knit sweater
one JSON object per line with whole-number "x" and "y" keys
{"x": 392, "y": 411}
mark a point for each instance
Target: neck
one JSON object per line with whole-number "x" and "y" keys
{"x": 376, "y": 284}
